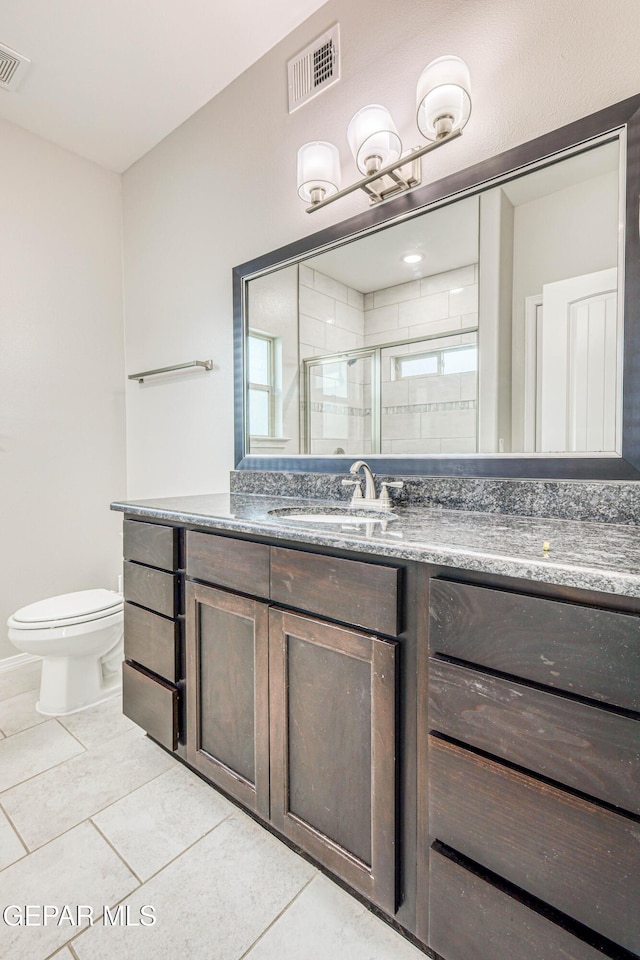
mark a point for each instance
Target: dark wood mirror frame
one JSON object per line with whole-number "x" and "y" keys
{"x": 625, "y": 114}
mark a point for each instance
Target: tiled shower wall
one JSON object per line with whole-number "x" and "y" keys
{"x": 427, "y": 414}
{"x": 435, "y": 414}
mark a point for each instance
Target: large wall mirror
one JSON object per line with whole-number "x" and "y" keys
{"x": 485, "y": 325}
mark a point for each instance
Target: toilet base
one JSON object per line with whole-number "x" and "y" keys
{"x": 65, "y": 713}
{"x": 71, "y": 684}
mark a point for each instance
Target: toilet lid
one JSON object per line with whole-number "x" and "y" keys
{"x": 70, "y": 608}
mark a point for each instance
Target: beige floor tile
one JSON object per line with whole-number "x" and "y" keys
{"x": 155, "y": 823}
{"x": 61, "y": 798}
{"x": 20, "y": 679}
{"x": 10, "y": 847}
{"x": 96, "y": 725}
{"x": 31, "y": 751}
{"x": 77, "y": 869}
{"x": 211, "y": 903}
{"x": 19, "y": 712}
{"x": 326, "y": 922}
{"x": 64, "y": 954}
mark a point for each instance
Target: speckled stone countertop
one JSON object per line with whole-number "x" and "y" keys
{"x": 587, "y": 555}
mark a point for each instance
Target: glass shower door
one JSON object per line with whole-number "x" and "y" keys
{"x": 340, "y": 416}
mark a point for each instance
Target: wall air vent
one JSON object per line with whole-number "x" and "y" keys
{"x": 13, "y": 67}
{"x": 315, "y": 68}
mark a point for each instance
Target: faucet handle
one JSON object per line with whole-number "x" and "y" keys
{"x": 357, "y": 492}
{"x": 384, "y": 493}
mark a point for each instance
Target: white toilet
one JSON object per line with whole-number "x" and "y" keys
{"x": 80, "y": 639}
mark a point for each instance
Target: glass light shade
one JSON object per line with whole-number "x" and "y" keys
{"x": 318, "y": 170}
{"x": 444, "y": 90}
{"x": 372, "y": 133}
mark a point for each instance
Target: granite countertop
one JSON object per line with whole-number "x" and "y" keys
{"x": 593, "y": 556}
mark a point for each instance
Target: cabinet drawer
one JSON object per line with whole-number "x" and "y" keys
{"x": 584, "y": 650}
{"x": 575, "y": 855}
{"x": 151, "y": 703}
{"x": 151, "y": 641}
{"x": 471, "y": 917}
{"x": 363, "y": 594}
{"x": 236, "y": 564}
{"x": 151, "y": 543}
{"x": 579, "y": 744}
{"x": 151, "y": 588}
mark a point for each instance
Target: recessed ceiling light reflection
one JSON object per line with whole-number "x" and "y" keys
{"x": 413, "y": 258}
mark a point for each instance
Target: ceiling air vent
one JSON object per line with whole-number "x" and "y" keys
{"x": 315, "y": 68}
{"x": 13, "y": 66}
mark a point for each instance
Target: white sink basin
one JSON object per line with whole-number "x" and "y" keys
{"x": 335, "y": 515}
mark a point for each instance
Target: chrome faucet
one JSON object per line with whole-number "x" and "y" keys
{"x": 369, "y": 484}
{"x": 370, "y": 498}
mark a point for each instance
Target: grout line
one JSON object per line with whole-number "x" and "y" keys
{"x": 229, "y": 816}
{"x": 58, "y": 950}
{"x": 115, "y": 849}
{"x": 29, "y": 726}
{"x": 186, "y": 849}
{"x": 20, "y": 694}
{"x": 275, "y": 919}
{"x": 70, "y": 948}
{"x": 61, "y": 763}
{"x": 151, "y": 877}
{"x": 18, "y": 834}
{"x": 46, "y": 769}
{"x": 191, "y": 845}
{"x": 77, "y": 739}
{"x": 87, "y": 818}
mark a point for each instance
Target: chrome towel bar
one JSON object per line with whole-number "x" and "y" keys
{"x": 140, "y": 377}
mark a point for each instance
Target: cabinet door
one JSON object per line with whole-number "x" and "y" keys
{"x": 333, "y": 749}
{"x": 227, "y": 686}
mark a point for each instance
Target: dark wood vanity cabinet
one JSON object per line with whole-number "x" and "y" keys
{"x": 293, "y": 715}
{"x": 531, "y": 777}
{"x": 461, "y": 750}
{"x": 334, "y": 748}
{"x": 228, "y": 692}
{"x": 152, "y": 671}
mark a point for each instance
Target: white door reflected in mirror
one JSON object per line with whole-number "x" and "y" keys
{"x": 580, "y": 364}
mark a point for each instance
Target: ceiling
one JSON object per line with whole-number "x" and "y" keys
{"x": 446, "y": 238}
{"x": 109, "y": 79}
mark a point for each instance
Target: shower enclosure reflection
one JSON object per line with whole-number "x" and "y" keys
{"x": 417, "y": 396}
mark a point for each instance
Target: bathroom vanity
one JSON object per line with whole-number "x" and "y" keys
{"x": 436, "y": 710}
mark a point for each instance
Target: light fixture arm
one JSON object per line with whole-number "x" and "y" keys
{"x": 399, "y": 183}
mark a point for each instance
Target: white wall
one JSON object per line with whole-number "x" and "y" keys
{"x": 61, "y": 373}
{"x": 568, "y": 233}
{"x": 221, "y": 189}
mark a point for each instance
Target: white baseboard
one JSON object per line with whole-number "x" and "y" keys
{"x": 18, "y": 661}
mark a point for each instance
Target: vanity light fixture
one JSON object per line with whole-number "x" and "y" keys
{"x": 443, "y": 109}
{"x": 318, "y": 171}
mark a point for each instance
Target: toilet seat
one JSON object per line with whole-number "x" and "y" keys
{"x": 67, "y": 610}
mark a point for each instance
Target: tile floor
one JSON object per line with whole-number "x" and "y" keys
{"x": 94, "y": 814}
